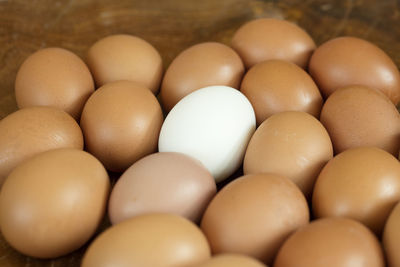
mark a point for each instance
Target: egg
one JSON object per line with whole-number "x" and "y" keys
{"x": 268, "y": 38}
{"x": 162, "y": 182}
{"x": 359, "y": 116}
{"x": 29, "y": 131}
{"x": 331, "y": 242}
{"x": 213, "y": 125}
{"x": 391, "y": 238}
{"x": 52, "y": 203}
{"x": 198, "y": 66}
{"x": 151, "y": 240}
{"x": 121, "y": 122}
{"x": 275, "y": 86}
{"x": 346, "y": 61}
{"x": 125, "y": 57}
{"x": 293, "y": 144}
{"x": 360, "y": 183}
{"x": 253, "y": 215}
{"x": 54, "y": 77}
{"x": 231, "y": 260}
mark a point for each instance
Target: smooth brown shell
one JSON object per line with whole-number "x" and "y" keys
{"x": 253, "y": 215}
{"x": 346, "y": 61}
{"x": 152, "y": 240}
{"x": 331, "y": 242}
{"x": 274, "y": 86}
{"x": 268, "y": 38}
{"x": 54, "y": 77}
{"x": 121, "y": 122}
{"x": 231, "y": 260}
{"x": 162, "y": 182}
{"x": 52, "y": 203}
{"x": 198, "y": 66}
{"x": 359, "y": 183}
{"x": 125, "y": 57}
{"x": 359, "y": 116}
{"x": 391, "y": 238}
{"x": 293, "y": 144}
{"x": 30, "y": 131}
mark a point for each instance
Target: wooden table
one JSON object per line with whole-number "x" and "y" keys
{"x": 171, "y": 26}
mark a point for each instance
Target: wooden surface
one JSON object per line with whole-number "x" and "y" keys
{"x": 171, "y": 26}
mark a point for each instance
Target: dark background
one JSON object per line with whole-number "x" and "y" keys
{"x": 171, "y": 26}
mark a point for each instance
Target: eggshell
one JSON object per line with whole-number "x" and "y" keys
{"x": 125, "y": 57}
{"x": 162, "y": 182}
{"x": 214, "y": 125}
{"x": 253, "y": 215}
{"x": 231, "y": 260}
{"x": 391, "y": 238}
{"x": 198, "y": 66}
{"x": 331, "y": 242}
{"x": 52, "y": 203}
{"x": 359, "y": 116}
{"x": 30, "y": 131}
{"x": 152, "y": 240}
{"x": 268, "y": 38}
{"x": 54, "y": 77}
{"x": 274, "y": 86}
{"x": 359, "y": 183}
{"x": 293, "y": 144}
{"x": 121, "y": 122}
{"x": 348, "y": 61}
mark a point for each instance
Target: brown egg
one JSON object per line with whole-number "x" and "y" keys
{"x": 360, "y": 183}
{"x": 231, "y": 260}
{"x": 52, "y": 203}
{"x": 30, "y": 131}
{"x": 331, "y": 242}
{"x": 359, "y": 116}
{"x": 125, "y": 57}
{"x": 165, "y": 182}
{"x": 54, "y": 77}
{"x": 253, "y": 215}
{"x": 348, "y": 61}
{"x": 151, "y": 240}
{"x": 293, "y": 144}
{"x": 121, "y": 122}
{"x": 268, "y": 38}
{"x": 274, "y": 86}
{"x": 391, "y": 238}
{"x": 199, "y": 66}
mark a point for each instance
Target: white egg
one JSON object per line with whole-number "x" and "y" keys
{"x": 214, "y": 125}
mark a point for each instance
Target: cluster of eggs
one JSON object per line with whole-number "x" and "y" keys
{"x": 323, "y": 142}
